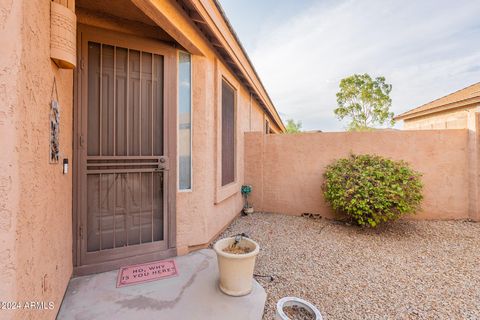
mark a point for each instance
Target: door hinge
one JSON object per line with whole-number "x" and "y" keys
{"x": 82, "y": 64}
{"x": 81, "y": 141}
{"x": 80, "y": 233}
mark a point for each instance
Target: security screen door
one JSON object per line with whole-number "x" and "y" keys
{"x": 126, "y": 164}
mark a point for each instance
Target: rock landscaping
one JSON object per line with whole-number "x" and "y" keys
{"x": 404, "y": 270}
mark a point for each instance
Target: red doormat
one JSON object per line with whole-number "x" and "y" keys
{"x": 146, "y": 272}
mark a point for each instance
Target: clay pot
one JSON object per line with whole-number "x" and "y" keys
{"x": 236, "y": 270}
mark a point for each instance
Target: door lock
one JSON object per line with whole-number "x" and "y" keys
{"x": 162, "y": 164}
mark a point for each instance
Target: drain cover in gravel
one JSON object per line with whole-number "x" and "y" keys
{"x": 146, "y": 272}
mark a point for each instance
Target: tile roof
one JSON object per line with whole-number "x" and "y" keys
{"x": 460, "y": 98}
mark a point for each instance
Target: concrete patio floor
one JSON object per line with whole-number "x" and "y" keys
{"x": 194, "y": 294}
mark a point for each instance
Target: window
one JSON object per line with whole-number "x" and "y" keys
{"x": 228, "y": 133}
{"x": 184, "y": 122}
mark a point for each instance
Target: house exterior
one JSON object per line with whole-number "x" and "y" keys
{"x": 454, "y": 111}
{"x": 144, "y": 157}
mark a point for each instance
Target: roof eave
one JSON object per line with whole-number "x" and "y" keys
{"x": 454, "y": 105}
{"x": 232, "y": 52}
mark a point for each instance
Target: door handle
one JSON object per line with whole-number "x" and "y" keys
{"x": 162, "y": 164}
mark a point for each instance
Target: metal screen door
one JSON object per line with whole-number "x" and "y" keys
{"x": 126, "y": 166}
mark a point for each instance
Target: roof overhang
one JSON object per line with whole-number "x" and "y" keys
{"x": 211, "y": 21}
{"x": 466, "y": 103}
{"x": 158, "y": 12}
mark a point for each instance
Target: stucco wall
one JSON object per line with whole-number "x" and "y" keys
{"x": 451, "y": 119}
{"x": 286, "y": 171}
{"x": 35, "y": 196}
{"x": 207, "y": 208}
{"x": 10, "y": 51}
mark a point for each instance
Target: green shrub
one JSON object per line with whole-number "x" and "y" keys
{"x": 371, "y": 189}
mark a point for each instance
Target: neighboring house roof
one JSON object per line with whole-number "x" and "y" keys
{"x": 461, "y": 98}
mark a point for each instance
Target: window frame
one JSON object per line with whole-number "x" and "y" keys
{"x": 178, "y": 122}
{"x": 235, "y": 135}
{"x": 228, "y": 190}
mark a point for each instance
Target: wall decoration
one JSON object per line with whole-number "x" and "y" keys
{"x": 54, "y": 125}
{"x": 63, "y": 30}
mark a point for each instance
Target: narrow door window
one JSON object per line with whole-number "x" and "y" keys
{"x": 184, "y": 122}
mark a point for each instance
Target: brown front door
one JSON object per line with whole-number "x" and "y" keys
{"x": 125, "y": 157}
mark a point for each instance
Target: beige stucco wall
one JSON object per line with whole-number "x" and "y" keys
{"x": 207, "y": 208}
{"x": 10, "y": 51}
{"x": 257, "y": 118}
{"x": 35, "y": 197}
{"x": 451, "y": 119}
{"x": 286, "y": 171}
{"x": 459, "y": 118}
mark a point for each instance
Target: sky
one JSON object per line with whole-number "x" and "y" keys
{"x": 303, "y": 48}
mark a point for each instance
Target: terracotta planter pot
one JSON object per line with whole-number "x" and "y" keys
{"x": 236, "y": 270}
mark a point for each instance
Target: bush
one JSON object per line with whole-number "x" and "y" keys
{"x": 371, "y": 189}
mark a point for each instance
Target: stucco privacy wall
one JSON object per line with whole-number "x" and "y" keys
{"x": 35, "y": 197}
{"x": 286, "y": 171}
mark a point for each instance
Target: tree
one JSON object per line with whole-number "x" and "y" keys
{"x": 365, "y": 101}
{"x": 293, "y": 127}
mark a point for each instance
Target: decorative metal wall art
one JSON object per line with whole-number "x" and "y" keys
{"x": 54, "y": 125}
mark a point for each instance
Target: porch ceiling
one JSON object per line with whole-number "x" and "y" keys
{"x": 211, "y": 23}
{"x": 123, "y": 11}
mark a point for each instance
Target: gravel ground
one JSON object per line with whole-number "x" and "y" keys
{"x": 406, "y": 270}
